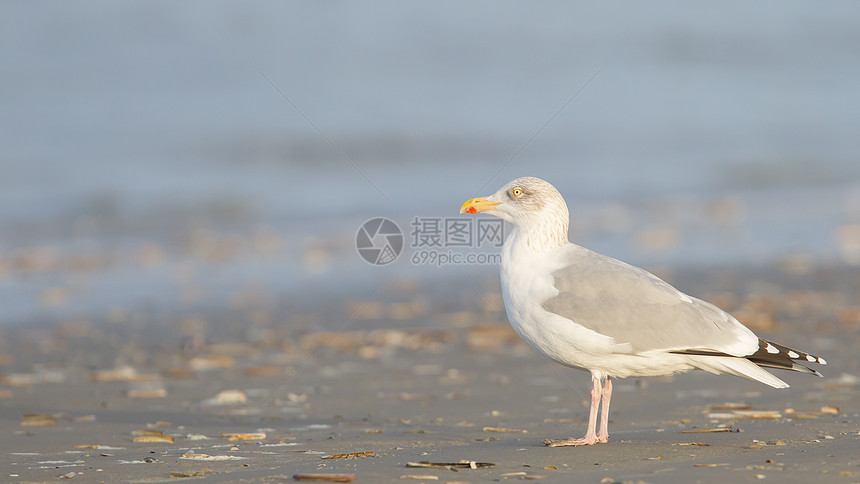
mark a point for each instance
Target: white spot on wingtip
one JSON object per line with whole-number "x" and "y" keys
{"x": 792, "y": 354}
{"x": 771, "y": 349}
{"x": 821, "y": 361}
{"x": 810, "y": 358}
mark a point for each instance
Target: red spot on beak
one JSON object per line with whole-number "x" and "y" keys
{"x": 471, "y": 210}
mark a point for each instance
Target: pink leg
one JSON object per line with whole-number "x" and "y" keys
{"x": 591, "y": 435}
{"x": 606, "y": 395}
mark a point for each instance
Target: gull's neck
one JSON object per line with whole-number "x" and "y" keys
{"x": 536, "y": 238}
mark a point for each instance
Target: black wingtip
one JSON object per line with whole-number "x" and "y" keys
{"x": 770, "y": 355}
{"x": 774, "y": 355}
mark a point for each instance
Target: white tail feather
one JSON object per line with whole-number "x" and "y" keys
{"x": 738, "y": 367}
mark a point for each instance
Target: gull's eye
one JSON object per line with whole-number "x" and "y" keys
{"x": 517, "y": 191}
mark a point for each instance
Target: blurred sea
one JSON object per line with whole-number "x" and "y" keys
{"x": 198, "y": 153}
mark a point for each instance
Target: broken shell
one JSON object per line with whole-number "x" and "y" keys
{"x": 325, "y": 477}
{"x": 245, "y": 436}
{"x": 502, "y": 429}
{"x": 228, "y": 397}
{"x": 152, "y": 439}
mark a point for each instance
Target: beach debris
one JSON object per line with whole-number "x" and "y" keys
{"x": 70, "y": 475}
{"x": 191, "y": 473}
{"x": 200, "y": 363}
{"x": 147, "y": 432}
{"x": 563, "y": 420}
{"x": 145, "y": 460}
{"x": 408, "y": 397}
{"x": 297, "y": 397}
{"x": 731, "y": 406}
{"x": 533, "y": 477}
{"x": 39, "y": 420}
{"x": 153, "y": 439}
{"x": 502, "y": 429}
{"x": 710, "y": 431}
{"x": 39, "y": 376}
{"x": 700, "y": 444}
{"x": 351, "y": 455}
{"x": 750, "y": 414}
{"x": 426, "y": 477}
{"x": 711, "y": 465}
{"x": 263, "y": 371}
{"x": 353, "y": 341}
{"x": 121, "y": 374}
{"x": 206, "y": 457}
{"x": 227, "y": 397}
{"x": 324, "y": 477}
{"x": 514, "y": 474}
{"x": 374, "y": 431}
{"x": 453, "y": 377}
{"x": 280, "y": 443}
{"x": 59, "y": 464}
{"x": 305, "y": 428}
{"x": 19, "y": 379}
{"x": 180, "y": 373}
{"x": 245, "y": 435}
{"x": 463, "y": 464}
{"x": 683, "y": 421}
{"x": 85, "y": 418}
{"x": 811, "y": 414}
{"x": 146, "y": 391}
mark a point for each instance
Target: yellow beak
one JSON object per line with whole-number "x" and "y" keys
{"x": 475, "y": 205}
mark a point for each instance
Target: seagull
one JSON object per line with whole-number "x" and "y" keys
{"x": 589, "y": 311}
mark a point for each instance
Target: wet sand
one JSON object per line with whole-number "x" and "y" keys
{"x": 422, "y": 376}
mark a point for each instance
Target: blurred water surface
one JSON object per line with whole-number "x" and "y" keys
{"x": 155, "y": 152}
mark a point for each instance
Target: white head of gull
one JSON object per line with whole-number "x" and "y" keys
{"x": 589, "y": 311}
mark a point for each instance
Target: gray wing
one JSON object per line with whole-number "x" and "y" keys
{"x": 636, "y": 308}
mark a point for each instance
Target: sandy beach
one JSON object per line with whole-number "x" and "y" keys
{"x": 425, "y": 374}
{"x": 185, "y": 287}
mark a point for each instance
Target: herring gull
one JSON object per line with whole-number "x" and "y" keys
{"x": 589, "y": 311}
